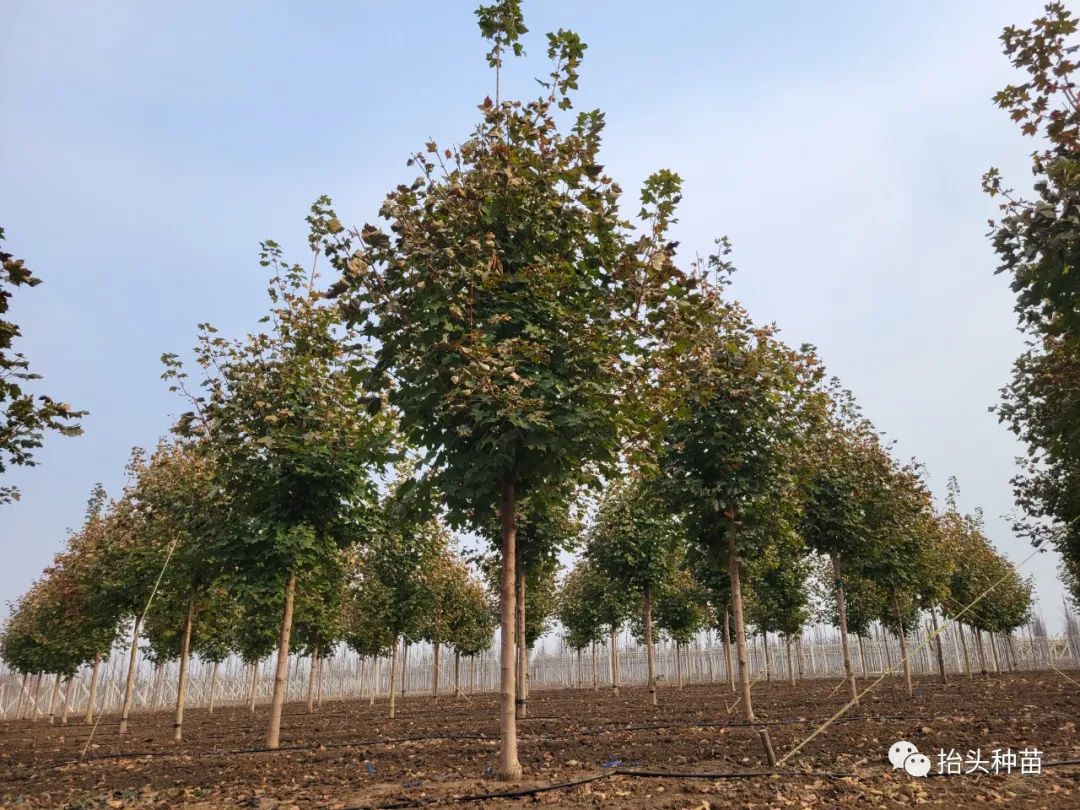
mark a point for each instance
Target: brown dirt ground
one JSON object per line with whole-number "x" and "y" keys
{"x": 349, "y": 755}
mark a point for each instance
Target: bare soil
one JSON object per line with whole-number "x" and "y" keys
{"x": 350, "y": 755}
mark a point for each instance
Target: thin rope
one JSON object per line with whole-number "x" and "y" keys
{"x": 139, "y": 621}
{"x": 905, "y": 659}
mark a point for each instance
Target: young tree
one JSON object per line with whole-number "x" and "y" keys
{"x": 904, "y": 561}
{"x": 682, "y": 611}
{"x": 779, "y": 596}
{"x": 471, "y": 624}
{"x": 732, "y": 442}
{"x": 24, "y": 416}
{"x": 294, "y": 446}
{"x": 638, "y": 545}
{"x": 507, "y": 302}
{"x": 847, "y": 468}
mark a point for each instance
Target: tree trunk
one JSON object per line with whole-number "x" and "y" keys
{"x": 68, "y": 683}
{"x": 963, "y": 645}
{"x": 649, "y": 652}
{"x": 52, "y": 698}
{"x": 727, "y": 649}
{"x": 376, "y": 670}
{"x": 393, "y": 676}
{"x": 129, "y": 686}
{"x": 404, "y": 666}
{"x": 521, "y": 700}
{"x": 765, "y": 656}
{"x": 24, "y": 693}
{"x": 799, "y": 655}
{"x": 740, "y": 627}
{"x": 92, "y": 696}
{"x": 885, "y": 644}
{"x": 994, "y": 650}
{"x": 1013, "y": 666}
{"x": 159, "y": 685}
{"x": 213, "y": 686}
{"x": 862, "y": 658}
{"x": 790, "y": 664}
{"x": 281, "y": 671}
{"x": 509, "y": 767}
{"x": 457, "y": 674}
{"x": 678, "y": 667}
{"x": 841, "y": 611}
{"x": 595, "y": 670}
{"x": 311, "y": 675}
{"x": 903, "y": 642}
{"x": 251, "y": 688}
{"x": 435, "y": 674}
{"x": 982, "y": 653}
{"x": 182, "y": 679}
{"x": 937, "y": 641}
{"x": 614, "y": 656}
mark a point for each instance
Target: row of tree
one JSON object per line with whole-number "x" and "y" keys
{"x": 507, "y": 354}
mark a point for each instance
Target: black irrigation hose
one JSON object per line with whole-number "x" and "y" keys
{"x": 632, "y": 773}
{"x": 483, "y": 737}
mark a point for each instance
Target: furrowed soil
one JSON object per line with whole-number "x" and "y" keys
{"x": 350, "y": 755}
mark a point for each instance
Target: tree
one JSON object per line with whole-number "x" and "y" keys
{"x": 779, "y": 596}
{"x": 682, "y": 611}
{"x": 848, "y": 467}
{"x": 1037, "y": 242}
{"x": 294, "y": 446}
{"x": 903, "y": 562}
{"x": 732, "y": 441}
{"x": 471, "y": 624}
{"x": 24, "y": 417}
{"x": 591, "y": 606}
{"x": 507, "y": 302}
{"x": 637, "y": 543}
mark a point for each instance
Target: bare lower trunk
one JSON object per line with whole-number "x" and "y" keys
{"x": 68, "y": 683}
{"x": 740, "y": 627}
{"x": 129, "y": 686}
{"x": 1011, "y": 652}
{"x": 457, "y": 674}
{"x": 182, "y": 679}
{"x": 937, "y": 642}
{"x": 404, "y": 666}
{"x": 393, "y": 676}
{"x": 614, "y": 655}
{"x": 903, "y": 642}
{"x": 24, "y": 697}
{"x": 790, "y": 664}
{"x": 649, "y": 653}
{"x": 862, "y": 658}
{"x": 982, "y": 653}
{"x": 311, "y": 675}
{"x": 435, "y": 673}
{"x": 885, "y": 644}
{"x": 509, "y": 767}
{"x": 521, "y": 701}
{"x": 52, "y": 698}
{"x": 727, "y": 649}
{"x": 994, "y": 649}
{"x": 213, "y": 686}
{"x": 251, "y": 688}
{"x": 159, "y": 685}
{"x": 841, "y": 611}
{"x": 281, "y": 671}
{"x": 595, "y": 670}
{"x": 678, "y": 667}
{"x": 765, "y": 655}
{"x": 799, "y": 655}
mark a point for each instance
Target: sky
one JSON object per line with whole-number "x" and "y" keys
{"x": 147, "y": 149}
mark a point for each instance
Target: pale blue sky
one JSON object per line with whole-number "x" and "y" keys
{"x": 147, "y": 148}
